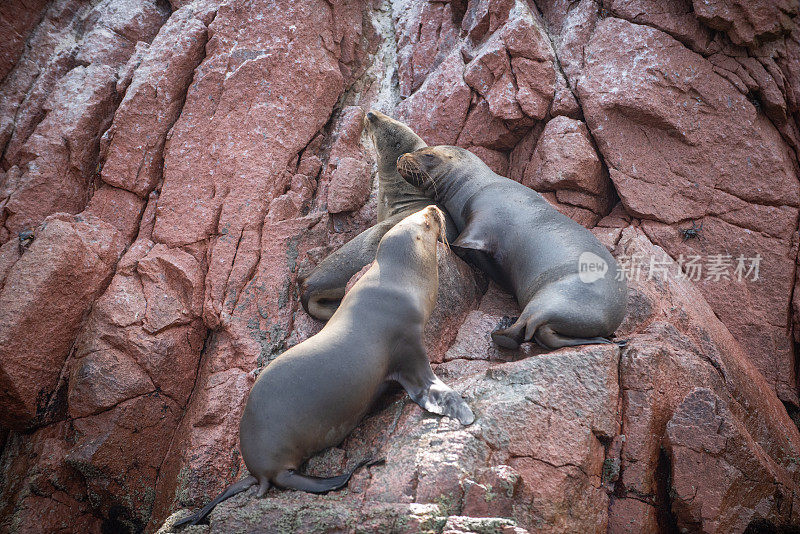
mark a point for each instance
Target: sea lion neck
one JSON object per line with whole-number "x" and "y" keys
{"x": 457, "y": 185}
{"x": 395, "y": 195}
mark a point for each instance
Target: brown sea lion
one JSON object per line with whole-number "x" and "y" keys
{"x": 567, "y": 283}
{"x": 322, "y": 289}
{"x": 314, "y": 394}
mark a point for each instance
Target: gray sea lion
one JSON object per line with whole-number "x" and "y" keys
{"x": 322, "y": 289}
{"x": 565, "y": 280}
{"x": 313, "y": 395}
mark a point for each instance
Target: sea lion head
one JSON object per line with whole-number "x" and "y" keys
{"x": 427, "y": 167}
{"x": 391, "y": 138}
{"x": 428, "y": 224}
{"x": 416, "y": 235}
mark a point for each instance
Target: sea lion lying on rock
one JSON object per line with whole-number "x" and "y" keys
{"x": 314, "y": 394}
{"x": 567, "y": 283}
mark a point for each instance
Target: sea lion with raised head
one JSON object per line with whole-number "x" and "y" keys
{"x": 314, "y": 394}
{"x": 322, "y": 289}
{"x": 567, "y": 283}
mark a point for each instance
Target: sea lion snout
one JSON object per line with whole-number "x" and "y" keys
{"x": 435, "y": 219}
{"x": 425, "y": 160}
{"x": 409, "y": 168}
{"x": 374, "y": 118}
{"x": 435, "y": 214}
{"x": 371, "y": 120}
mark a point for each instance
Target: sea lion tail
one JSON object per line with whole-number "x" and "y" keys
{"x": 230, "y": 491}
{"x": 293, "y": 480}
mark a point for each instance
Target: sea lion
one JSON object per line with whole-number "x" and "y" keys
{"x": 567, "y": 283}
{"x": 322, "y": 289}
{"x": 313, "y": 395}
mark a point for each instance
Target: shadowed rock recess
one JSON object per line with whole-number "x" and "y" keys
{"x": 169, "y": 169}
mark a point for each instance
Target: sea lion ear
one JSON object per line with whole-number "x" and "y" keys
{"x": 472, "y": 239}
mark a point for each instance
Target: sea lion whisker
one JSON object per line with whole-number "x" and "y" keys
{"x": 432, "y": 181}
{"x": 442, "y": 227}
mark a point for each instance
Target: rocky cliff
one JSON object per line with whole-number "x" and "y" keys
{"x": 169, "y": 169}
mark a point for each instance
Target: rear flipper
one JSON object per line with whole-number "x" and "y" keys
{"x": 535, "y": 328}
{"x": 230, "y": 491}
{"x": 322, "y": 304}
{"x": 293, "y": 480}
{"x": 511, "y": 337}
{"x": 321, "y": 291}
{"x": 549, "y": 339}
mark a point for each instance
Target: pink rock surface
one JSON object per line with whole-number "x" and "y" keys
{"x": 485, "y": 16}
{"x": 438, "y": 109}
{"x": 119, "y": 208}
{"x": 45, "y": 295}
{"x": 215, "y": 152}
{"x": 714, "y": 155}
{"x": 565, "y": 161}
{"x": 513, "y": 70}
{"x": 747, "y": 23}
{"x": 153, "y": 101}
{"x": 425, "y": 33}
{"x": 703, "y": 426}
{"x": 52, "y": 168}
{"x": 721, "y": 366}
{"x": 59, "y": 100}
{"x": 349, "y": 171}
{"x": 482, "y": 129}
{"x": 490, "y": 75}
{"x": 17, "y": 20}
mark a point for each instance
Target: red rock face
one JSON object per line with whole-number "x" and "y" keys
{"x": 56, "y": 280}
{"x": 18, "y": 21}
{"x": 683, "y": 144}
{"x": 169, "y": 170}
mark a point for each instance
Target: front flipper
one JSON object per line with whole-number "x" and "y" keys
{"x": 441, "y": 399}
{"x": 473, "y": 238}
{"x": 425, "y": 388}
{"x": 321, "y": 291}
{"x": 479, "y": 250}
